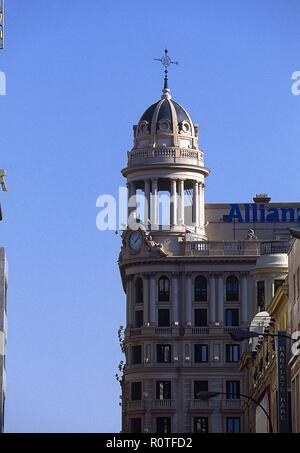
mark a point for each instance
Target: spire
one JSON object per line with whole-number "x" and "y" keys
{"x": 166, "y": 62}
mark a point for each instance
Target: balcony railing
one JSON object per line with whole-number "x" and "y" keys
{"x": 196, "y": 331}
{"x": 200, "y": 405}
{"x": 273, "y": 247}
{"x": 164, "y": 404}
{"x": 135, "y": 405}
{"x": 230, "y": 405}
{"x": 165, "y": 154}
{"x": 222, "y": 248}
{"x": 163, "y": 331}
{"x": 244, "y": 248}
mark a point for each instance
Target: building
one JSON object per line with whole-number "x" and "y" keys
{"x": 190, "y": 275}
{"x": 3, "y": 321}
{"x": 260, "y": 364}
{"x": 294, "y": 326}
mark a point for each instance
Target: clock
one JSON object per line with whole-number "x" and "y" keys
{"x": 135, "y": 241}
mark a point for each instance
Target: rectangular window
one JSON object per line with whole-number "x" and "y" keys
{"x": 200, "y": 317}
{"x": 136, "y": 425}
{"x": 163, "y": 390}
{"x": 136, "y": 391}
{"x": 201, "y": 353}
{"x": 261, "y": 294}
{"x": 232, "y": 317}
{"x": 163, "y": 425}
{"x": 163, "y": 317}
{"x": 233, "y": 390}
{"x": 232, "y": 353}
{"x": 277, "y": 284}
{"x": 200, "y": 386}
{"x": 138, "y": 322}
{"x": 163, "y": 353}
{"x": 136, "y": 354}
{"x": 233, "y": 425}
{"x": 200, "y": 424}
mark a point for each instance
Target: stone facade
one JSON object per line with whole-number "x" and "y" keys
{"x": 260, "y": 363}
{"x": 190, "y": 275}
{"x": 3, "y": 333}
{"x": 294, "y": 325}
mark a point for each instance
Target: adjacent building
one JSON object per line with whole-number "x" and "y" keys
{"x": 260, "y": 364}
{"x": 192, "y": 272}
{"x": 294, "y": 325}
{"x": 3, "y": 319}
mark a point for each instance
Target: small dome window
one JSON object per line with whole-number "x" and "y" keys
{"x": 185, "y": 127}
{"x": 143, "y": 127}
{"x": 164, "y": 125}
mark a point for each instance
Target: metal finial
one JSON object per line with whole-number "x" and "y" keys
{"x": 166, "y": 62}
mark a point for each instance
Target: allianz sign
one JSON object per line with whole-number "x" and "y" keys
{"x": 252, "y": 212}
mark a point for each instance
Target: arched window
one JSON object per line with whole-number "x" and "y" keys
{"x": 232, "y": 288}
{"x": 200, "y": 288}
{"x": 139, "y": 291}
{"x": 163, "y": 289}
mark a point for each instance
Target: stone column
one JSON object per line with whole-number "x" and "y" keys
{"x": 188, "y": 297}
{"x": 147, "y": 204}
{"x": 173, "y": 204}
{"x": 220, "y": 299}
{"x": 174, "y": 297}
{"x": 130, "y": 301}
{"x": 196, "y": 204}
{"x": 146, "y": 298}
{"x": 212, "y": 299}
{"x": 152, "y": 300}
{"x": 154, "y": 217}
{"x": 245, "y": 315}
{"x": 131, "y": 200}
{"x": 181, "y": 202}
{"x": 202, "y": 206}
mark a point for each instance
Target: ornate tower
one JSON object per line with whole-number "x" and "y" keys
{"x": 165, "y": 178}
{"x": 187, "y": 286}
{"x": 166, "y": 158}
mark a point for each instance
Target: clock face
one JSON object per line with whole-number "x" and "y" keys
{"x": 135, "y": 240}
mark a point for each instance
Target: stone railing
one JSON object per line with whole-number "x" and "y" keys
{"x": 200, "y": 405}
{"x": 164, "y": 404}
{"x": 229, "y": 405}
{"x": 196, "y": 331}
{"x": 166, "y": 154}
{"x": 222, "y": 248}
{"x": 135, "y": 405}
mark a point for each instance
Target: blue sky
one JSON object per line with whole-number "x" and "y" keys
{"x": 79, "y": 74}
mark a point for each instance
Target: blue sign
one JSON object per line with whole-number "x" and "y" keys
{"x": 253, "y": 212}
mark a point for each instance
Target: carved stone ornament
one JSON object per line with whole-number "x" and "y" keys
{"x": 153, "y": 246}
{"x": 251, "y": 235}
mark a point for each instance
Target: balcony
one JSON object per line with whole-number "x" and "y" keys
{"x": 167, "y": 154}
{"x": 137, "y": 405}
{"x": 235, "y": 248}
{"x": 164, "y": 405}
{"x": 163, "y": 331}
{"x": 222, "y": 248}
{"x": 274, "y": 247}
{"x": 232, "y": 405}
{"x": 197, "y": 405}
{"x": 196, "y": 331}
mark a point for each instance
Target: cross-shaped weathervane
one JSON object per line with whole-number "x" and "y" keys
{"x": 166, "y": 62}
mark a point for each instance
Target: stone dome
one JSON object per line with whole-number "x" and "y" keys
{"x": 166, "y": 123}
{"x": 276, "y": 260}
